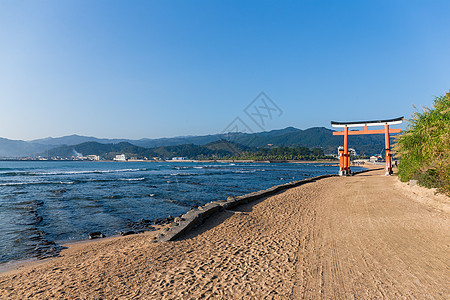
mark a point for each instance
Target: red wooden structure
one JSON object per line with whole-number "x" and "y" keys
{"x": 344, "y": 156}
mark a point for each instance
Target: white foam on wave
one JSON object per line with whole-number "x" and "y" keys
{"x": 132, "y": 179}
{"x": 16, "y": 183}
{"x": 87, "y": 172}
{"x": 182, "y": 174}
{"x": 35, "y": 182}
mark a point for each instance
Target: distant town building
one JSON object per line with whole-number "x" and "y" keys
{"x": 120, "y": 157}
{"x": 93, "y": 157}
{"x": 178, "y": 158}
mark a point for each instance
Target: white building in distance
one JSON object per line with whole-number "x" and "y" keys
{"x": 178, "y": 158}
{"x": 120, "y": 157}
{"x": 93, "y": 157}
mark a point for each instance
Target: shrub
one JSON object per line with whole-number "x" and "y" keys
{"x": 424, "y": 148}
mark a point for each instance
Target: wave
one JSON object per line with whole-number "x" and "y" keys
{"x": 35, "y": 183}
{"x": 18, "y": 173}
{"x": 132, "y": 179}
{"x": 184, "y": 174}
{"x": 187, "y": 167}
{"x": 87, "y": 172}
{"x": 206, "y": 174}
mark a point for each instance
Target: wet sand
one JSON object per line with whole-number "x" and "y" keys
{"x": 365, "y": 236}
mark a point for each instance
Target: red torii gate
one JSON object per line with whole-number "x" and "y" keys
{"x": 344, "y": 156}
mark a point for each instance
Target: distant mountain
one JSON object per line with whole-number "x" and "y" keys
{"x": 14, "y": 148}
{"x": 95, "y": 148}
{"x": 196, "y": 140}
{"x": 229, "y": 147}
{"x": 319, "y": 137}
{"x": 147, "y": 143}
{"x": 108, "y": 151}
{"x": 75, "y": 139}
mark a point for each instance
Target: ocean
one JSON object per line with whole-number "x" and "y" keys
{"x": 46, "y": 203}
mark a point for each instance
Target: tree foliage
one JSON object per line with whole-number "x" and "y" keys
{"x": 283, "y": 153}
{"x": 424, "y": 148}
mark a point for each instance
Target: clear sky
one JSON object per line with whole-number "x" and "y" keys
{"x": 135, "y": 69}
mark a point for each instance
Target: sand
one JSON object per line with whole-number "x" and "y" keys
{"x": 366, "y": 236}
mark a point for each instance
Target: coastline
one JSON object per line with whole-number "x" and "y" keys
{"x": 139, "y": 185}
{"x": 168, "y": 232}
{"x": 162, "y": 233}
{"x": 186, "y": 160}
{"x": 258, "y": 242}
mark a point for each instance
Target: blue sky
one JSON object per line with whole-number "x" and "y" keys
{"x": 135, "y": 69}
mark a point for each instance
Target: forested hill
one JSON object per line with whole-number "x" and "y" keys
{"x": 316, "y": 137}
{"x": 217, "y": 149}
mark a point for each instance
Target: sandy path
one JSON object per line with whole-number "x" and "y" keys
{"x": 357, "y": 237}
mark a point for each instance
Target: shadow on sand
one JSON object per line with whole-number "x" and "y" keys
{"x": 221, "y": 216}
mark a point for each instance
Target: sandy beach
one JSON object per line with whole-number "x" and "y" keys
{"x": 366, "y": 236}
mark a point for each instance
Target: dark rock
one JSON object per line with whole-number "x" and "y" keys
{"x": 124, "y": 233}
{"x": 144, "y": 221}
{"x": 95, "y": 235}
{"x": 164, "y": 221}
{"x": 142, "y": 225}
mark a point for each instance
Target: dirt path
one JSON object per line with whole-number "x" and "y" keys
{"x": 356, "y": 237}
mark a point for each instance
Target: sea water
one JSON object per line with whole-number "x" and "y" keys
{"x": 45, "y": 203}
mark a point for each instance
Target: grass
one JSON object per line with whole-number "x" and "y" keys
{"x": 424, "y": 148}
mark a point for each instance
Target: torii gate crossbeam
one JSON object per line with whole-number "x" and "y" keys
{"x": 344, "y": 156}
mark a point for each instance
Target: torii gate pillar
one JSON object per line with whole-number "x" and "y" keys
{"x": 344, "y": 156}
{"x": 388, "y": 150}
